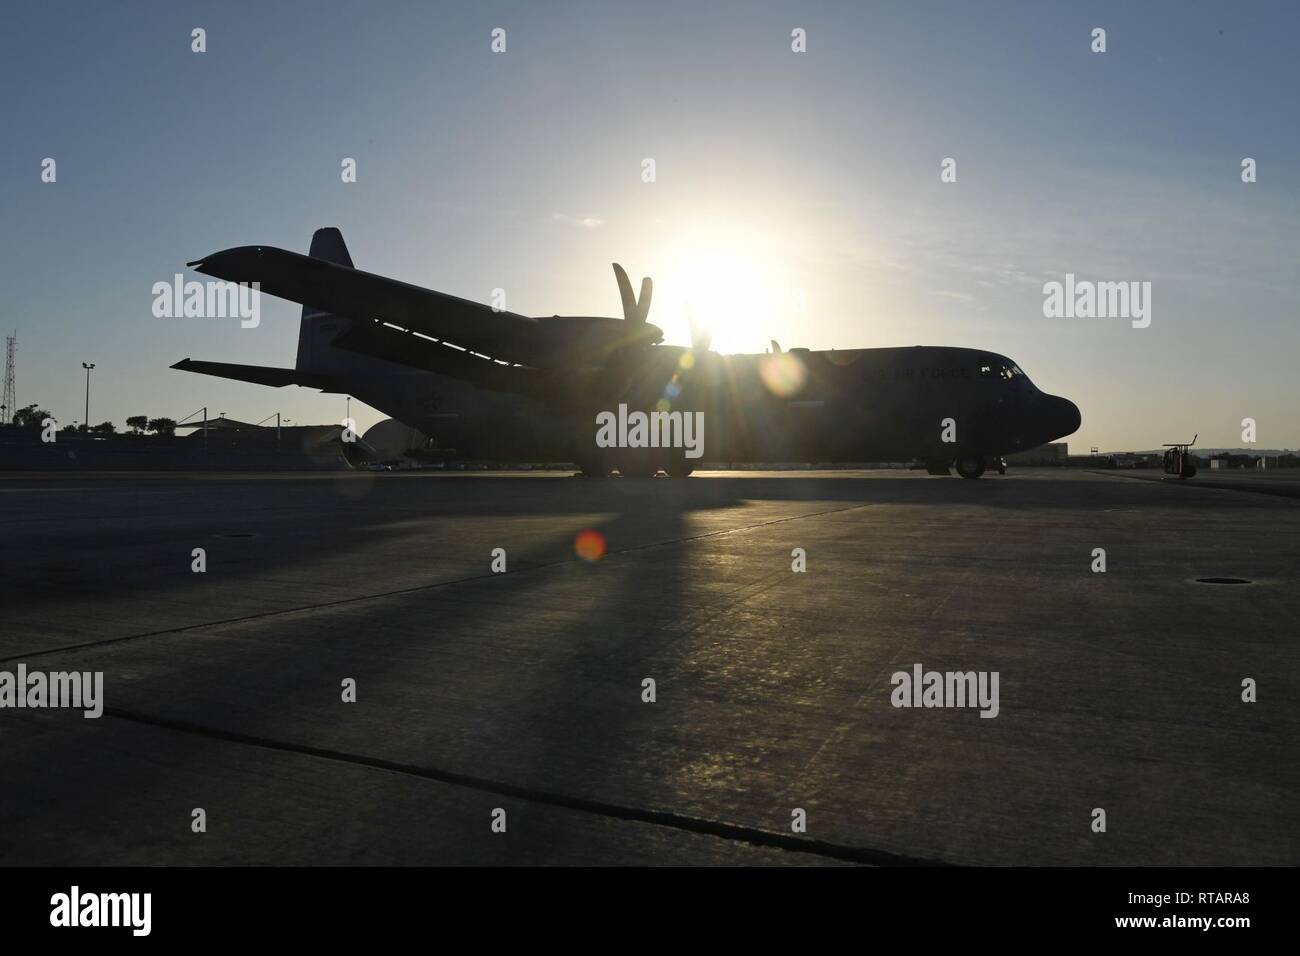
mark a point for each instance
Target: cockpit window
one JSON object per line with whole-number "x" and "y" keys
{"x": 1002, "y": 371}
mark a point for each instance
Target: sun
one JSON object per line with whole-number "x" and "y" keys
{"x": 726, "y": 289}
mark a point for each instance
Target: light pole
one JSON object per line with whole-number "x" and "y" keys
{"x": 277, "y": 427}
{"x": 87, "y": 367}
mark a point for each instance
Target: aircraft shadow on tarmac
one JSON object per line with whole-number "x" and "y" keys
{"x": 277, "y": 524}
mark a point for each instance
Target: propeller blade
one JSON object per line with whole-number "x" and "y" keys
{"x": 643, "y": 303}
{"x": 631, "y": 312}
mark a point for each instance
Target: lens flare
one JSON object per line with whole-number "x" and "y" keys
{"x": 782, "y": 373}
{"x": 589, "y": 545}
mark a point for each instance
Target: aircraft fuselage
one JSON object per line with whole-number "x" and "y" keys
{"x": 885, "y": 404}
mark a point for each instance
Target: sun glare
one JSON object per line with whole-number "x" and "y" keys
{"x": 729, "y": 288}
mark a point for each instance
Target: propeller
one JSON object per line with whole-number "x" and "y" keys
{"x": 626, "y": 354}
{"x": 635, "y": 310}
{"x": 632, "y": 369}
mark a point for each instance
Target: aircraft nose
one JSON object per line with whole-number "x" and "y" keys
{"x": 1063, "y": 416}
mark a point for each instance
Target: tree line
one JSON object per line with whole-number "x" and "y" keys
{"x": 32, "y": 416}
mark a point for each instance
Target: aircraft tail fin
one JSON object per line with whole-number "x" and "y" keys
{"x": 317, "y": 330}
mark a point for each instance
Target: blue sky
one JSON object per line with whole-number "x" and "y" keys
{"x": 816, "y": 172}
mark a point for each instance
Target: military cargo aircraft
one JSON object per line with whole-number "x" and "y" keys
{"x": 493, "y": 385}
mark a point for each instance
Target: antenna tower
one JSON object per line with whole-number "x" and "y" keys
{"x": 10, "y": 400}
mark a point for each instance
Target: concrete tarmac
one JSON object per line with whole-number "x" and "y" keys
{"x": 523, "y": 690}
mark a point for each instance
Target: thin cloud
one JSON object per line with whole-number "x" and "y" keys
{"x": 584, "y": 222}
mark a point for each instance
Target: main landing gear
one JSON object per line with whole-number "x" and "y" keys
{"x": 634, "y": 463}
{"x": 971, "y": 466}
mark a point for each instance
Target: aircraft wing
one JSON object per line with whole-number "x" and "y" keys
{"x": 365, "y": 296}
{"x": 382, "y": 342}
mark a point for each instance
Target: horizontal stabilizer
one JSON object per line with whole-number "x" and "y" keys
{"x": 257, "y": 374}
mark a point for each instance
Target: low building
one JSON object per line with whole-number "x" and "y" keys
{"x": 1230, "y": 462}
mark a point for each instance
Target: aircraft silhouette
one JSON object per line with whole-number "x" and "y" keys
{"x": 494, "y": 385}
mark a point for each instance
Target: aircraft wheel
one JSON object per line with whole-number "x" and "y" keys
{"x": 637, "y": 463}
{"x": 630, "y": 471}
{"x": 679, "y": 467}
{"x": 970, "y": 467}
